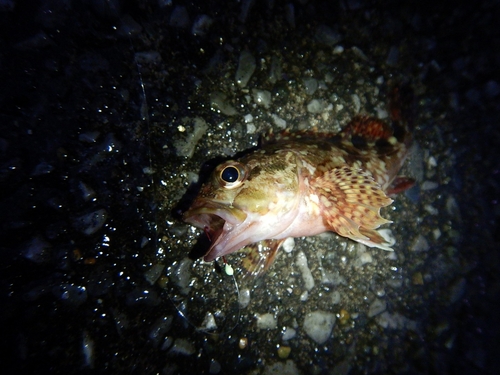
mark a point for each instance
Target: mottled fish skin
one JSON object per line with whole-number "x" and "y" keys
{"x": 303, "y": 184}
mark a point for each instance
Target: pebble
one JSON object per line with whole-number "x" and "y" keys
{"x": 209, "y": 322}
{"x": 201, "y": 25}
{"x": 90, "y": 223}
{"x": 430, "y": 209}
{"x": 154, "y": 273}
{"x": 316, "y": 106}
{"x": 305, "y": 271}
{"x": 215, "y": 367}
{"x": 328, "y": 36}
{"x": 284, "y": 352}
{"x": 185, "y": 147}
{"x": 287, "y": 368}
{"x": 392, "y": 56}
{"x": 160, "y": 327}
{"x": 278, "y": 121}
{"x": 246, "y": 67}
{"x": 36, "y": 250}
{"x": 429, "y": 185}
{"x": 420, "y": 244}
{"x": 310, "y": 85}
{"x": 288, "y": 333}
{"x": 244, "y": 298}
{"x": 288, "y": 245}
{"x": 318, "y": 325}
{"x": 262, "y": 97}
{"x": 266, "y": 321}
{"x": 179, "y": 17}
{"x": 183, "y": 347}
{"x": 219, "y": 103}
{"x": 376, "y": 307}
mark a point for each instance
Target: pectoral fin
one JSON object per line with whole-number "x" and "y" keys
{"x": 351, "y": 202}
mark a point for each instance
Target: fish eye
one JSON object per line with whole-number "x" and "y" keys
{"x": 232, "y": 174}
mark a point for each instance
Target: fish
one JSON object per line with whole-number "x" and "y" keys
{"x": 299, "y": 184}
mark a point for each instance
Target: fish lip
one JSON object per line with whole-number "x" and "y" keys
{"x": 218, "y": 220}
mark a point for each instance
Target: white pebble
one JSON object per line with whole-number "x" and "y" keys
{"x": 316, "y": 106}
{"x": 288, "y": 245}
{"x": 431, "y": 162}
{"x": 246, "y": 67}
{"x": 209, "y": 322}
{"x": 288, "y": 333}
{"x": 420, "y": 244}
{"x": 182, "y": 346}
{"x": 305, "y": 271}
{"x": 185, "y": 147}
{"x": 338, "y": 50}
{"x": 266, "y": 321}
{"x": 304, "y": 296}
{"x": 335, "y": 297}
{"x": 357, "y": 103}
{"x": 365, "y": 258}
{"x": 319, "y": 325}
{"x": 262, "y": 97}
{"x": 244, "y": 298}
{"x": 311, "y": 85}
{"x": 376, "y": 307}
{"x": 437, "y": 233}
{"x": 251, "y": 128}
{"x": 429, "y": 185}
{"x": 430, "y": 209}
{"x": 278, "y": 121}
{"x": 248, "y": 118}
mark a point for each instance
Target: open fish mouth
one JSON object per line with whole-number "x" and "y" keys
{"x": 215, "y": 219}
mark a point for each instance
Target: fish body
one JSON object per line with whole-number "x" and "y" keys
{"x": 303, "y": 184}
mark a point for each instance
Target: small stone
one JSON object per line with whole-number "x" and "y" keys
{"x": 284, "y": 352}
{"x": 429, "y": 185}
{"x": 246, "y": 67}
{"x": 319, "y": 325}
{"x": 376, "y": 307}
{"x": 420, "y": 244}
{"x": 344, "y": 317}
{"x": 278, "y": 121}
{"x": 316, "y": 106}
{"x": 262, "y": 97}
{"x": 183, "y": 347}
{"x": 215, "y": 367}
{"x": 266, "y": 321}
{"x": 307, "y": 276}
{"x": 311, "y": 85}
{"x": 243, "y": 343}
{"x": 417, "y": 279}
{"x": 288, "y": 333}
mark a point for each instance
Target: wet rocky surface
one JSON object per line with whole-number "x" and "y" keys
{"x": 113, "y": 112}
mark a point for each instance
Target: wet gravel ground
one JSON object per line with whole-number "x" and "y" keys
{"x": 112, "y": 112}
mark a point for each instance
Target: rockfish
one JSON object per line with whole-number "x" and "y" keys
{"x": 303, "y": 184}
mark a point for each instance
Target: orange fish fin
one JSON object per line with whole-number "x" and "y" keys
{"x": 369, "y": 129}
{"x": 350, "y": 202}
{"x": 260, "y": 256}
{"x": 400, "y": 184}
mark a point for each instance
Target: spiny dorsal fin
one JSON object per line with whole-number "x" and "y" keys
{"x": 351, "y": 202}
{"x": 368, "y": 128}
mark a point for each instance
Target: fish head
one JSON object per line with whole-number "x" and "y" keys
{"x": 246, "y": 201}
